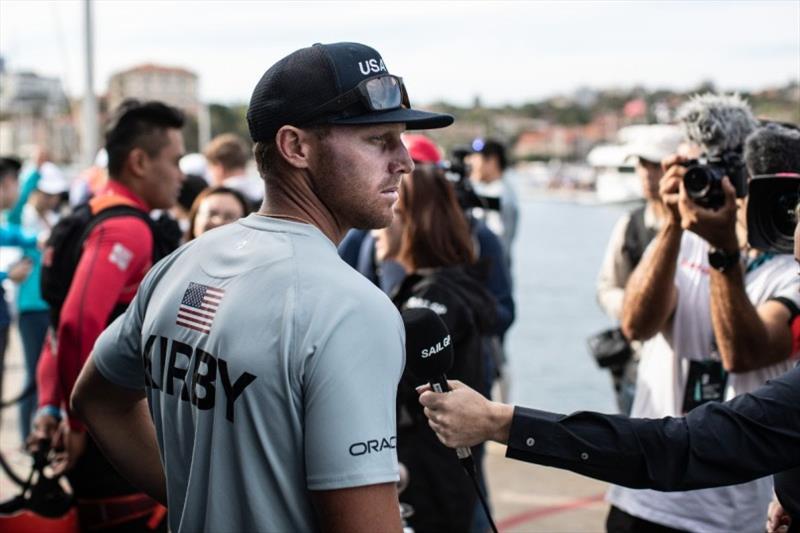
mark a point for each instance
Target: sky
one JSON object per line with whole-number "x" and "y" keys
{"x": 502, "y": 52}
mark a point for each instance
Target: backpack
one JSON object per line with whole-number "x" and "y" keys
{"x": 637, "y": 236}
{"x": 65, "y": 245}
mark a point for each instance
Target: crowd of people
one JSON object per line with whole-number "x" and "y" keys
{"x": 247, "y": 349}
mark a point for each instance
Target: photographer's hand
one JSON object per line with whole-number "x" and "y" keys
{"x": 716, "y": 226}
{"x": 669, "y": 186}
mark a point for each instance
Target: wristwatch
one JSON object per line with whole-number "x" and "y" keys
{"x": 721, "y": 260}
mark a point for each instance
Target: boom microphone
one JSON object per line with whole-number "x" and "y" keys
{"x": 429, "y": 355}
{"x": 718, "y": 123}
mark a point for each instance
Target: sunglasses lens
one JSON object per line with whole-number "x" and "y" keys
{"x": 384, "y": 93}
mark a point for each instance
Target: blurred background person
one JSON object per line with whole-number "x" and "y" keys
{"x": 488, "y": 164}
{"x": 214, "y": 207}
{"x": 144, "y": 144}
{"x": 31, "y": 173}
{"x": 90, "y": 181}
{"x": 40, "y": 213}
{"x": 629, "y": 238}
{"x": 10, "y": 235}
{"x": 430, "y": 238}
{"x": 195, "y": 170}
{"x": 227, "y": 156}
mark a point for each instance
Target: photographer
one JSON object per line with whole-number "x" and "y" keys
{"x": 629, "y": 239}
{"x": 716, "y": 444}
{"x": 716, "y": 311}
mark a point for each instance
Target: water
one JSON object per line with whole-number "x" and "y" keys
{"x": 557, "y": 254}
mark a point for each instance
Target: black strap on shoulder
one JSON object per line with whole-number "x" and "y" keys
{"x": 94, "y": 220}
{"x": 114, "y": 211}
{"x": 637, "y": 236}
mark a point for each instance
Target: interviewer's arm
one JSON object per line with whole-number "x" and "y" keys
{"x": 717, "y": 444}
{"x": 119, "y": 421}
{"x": 367, "y": 509}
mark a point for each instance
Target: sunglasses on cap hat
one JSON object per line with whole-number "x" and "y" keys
{"x": 380, "y": 93}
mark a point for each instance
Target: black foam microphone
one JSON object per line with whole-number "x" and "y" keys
{"x": 429, "y": 354}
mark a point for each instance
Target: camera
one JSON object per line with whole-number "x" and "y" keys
{"x": 771, "y": 212}
{"x": 703, "y": 178}
{"x": 457, "y": 172}
{"x": 719, "y": 125}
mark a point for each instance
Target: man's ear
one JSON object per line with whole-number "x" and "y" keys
{"x": 295, "y": 146}
{"x": 137, "y": 162}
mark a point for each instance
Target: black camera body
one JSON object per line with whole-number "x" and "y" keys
{"x": 457, "y": 172}
{"x": 771, "y": 212}
{"x": 703, "y": 178}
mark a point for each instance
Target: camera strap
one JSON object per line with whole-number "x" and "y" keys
{"x": 759, "y": 260}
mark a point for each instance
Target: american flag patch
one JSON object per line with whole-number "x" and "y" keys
{"x": 198, "y": 307}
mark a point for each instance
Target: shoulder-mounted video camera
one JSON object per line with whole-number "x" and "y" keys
{"x": 771, "y": 212}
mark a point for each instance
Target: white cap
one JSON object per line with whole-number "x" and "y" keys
{"x": 194, "y": 165}
{"x": 52, "y": 180}
{"x": 101, "y": 159}
{"x": 654, "y": 142}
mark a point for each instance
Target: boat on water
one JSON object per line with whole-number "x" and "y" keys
{"x": 615, "y": 178}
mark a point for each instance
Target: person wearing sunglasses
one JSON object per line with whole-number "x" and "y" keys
{"x": 269, "y": 366}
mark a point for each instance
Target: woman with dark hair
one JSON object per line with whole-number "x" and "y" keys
{"x": 214, "y": 207}
{"x": 430, "y": 238}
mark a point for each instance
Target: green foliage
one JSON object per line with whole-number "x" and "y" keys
{"x": 225, "y": 119}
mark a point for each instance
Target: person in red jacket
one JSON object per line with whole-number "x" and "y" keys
{"x": 144, "y": 144}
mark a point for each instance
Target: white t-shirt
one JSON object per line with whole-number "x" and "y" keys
{"x": 251, "y": 187}
{"x": 502, "y": 223}
{"x": 271, "y": 369}
{"x": 660, "y": 391}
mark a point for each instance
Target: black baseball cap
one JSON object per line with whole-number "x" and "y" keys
{"x": 490, "y": 147}
{"x": 339, "y": 83}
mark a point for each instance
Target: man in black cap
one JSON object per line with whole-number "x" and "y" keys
{"x": 488, "y": 164}
{"x": 253, "y": 346}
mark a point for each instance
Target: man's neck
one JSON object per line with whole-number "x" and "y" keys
{"x": 133, "y": 185}
{"x": 294, "y": 199}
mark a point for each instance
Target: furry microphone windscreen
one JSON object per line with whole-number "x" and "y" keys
{"x": 772, "y": 149}
{"x": 717, "y": 122}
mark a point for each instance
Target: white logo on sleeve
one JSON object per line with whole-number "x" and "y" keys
{"x": 120, "y": 256}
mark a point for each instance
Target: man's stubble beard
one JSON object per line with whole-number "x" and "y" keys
{"x": 343, "y": 195}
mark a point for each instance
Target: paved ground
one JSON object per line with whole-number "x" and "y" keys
{"x": 525, "y": 498}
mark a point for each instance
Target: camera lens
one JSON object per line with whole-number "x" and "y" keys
{"x": 784, "y": 217}
{"x": 697, "y": 181}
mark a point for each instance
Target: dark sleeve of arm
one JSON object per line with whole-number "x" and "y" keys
{"x": 717, "y": 444}
{"x": 499, "y": 279}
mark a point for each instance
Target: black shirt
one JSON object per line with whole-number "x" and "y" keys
{"x": 716, "y": 444}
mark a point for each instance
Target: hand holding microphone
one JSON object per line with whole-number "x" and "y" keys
{"x": 464, "y": 417}
{"x": 429, "y": 355}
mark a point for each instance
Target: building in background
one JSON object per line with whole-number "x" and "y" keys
{"x": 35, "y": 111}
{"x": 172, "y": 85}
